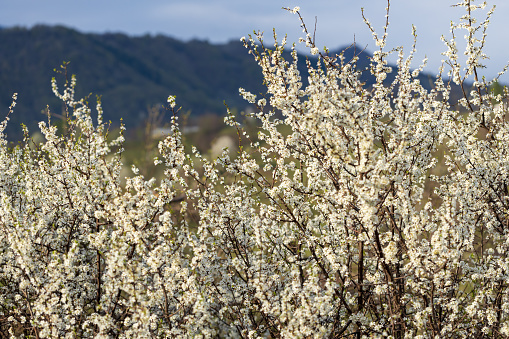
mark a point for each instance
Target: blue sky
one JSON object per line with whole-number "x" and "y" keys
{"x": 223, "y": 20}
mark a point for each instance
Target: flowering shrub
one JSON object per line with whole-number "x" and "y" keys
{"x": 325, "y": 231}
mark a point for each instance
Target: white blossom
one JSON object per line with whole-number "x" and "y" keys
{"x": 379, "y": 211}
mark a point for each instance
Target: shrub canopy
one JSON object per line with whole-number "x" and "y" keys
{"x": 355, "y": 211}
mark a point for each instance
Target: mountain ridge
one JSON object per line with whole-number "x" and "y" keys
{"x": 131, "y": 74}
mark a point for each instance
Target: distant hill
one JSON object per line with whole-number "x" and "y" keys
{"x": 130, "y": 73}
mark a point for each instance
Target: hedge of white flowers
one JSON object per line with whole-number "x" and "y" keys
{"x": 325, "y": 231}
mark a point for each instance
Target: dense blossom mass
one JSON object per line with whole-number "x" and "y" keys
{"x": 333, "y": 222}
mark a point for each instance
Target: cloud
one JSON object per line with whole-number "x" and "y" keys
{"x": 200, "y": 19}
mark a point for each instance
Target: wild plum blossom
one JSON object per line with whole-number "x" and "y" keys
{"x": 325, "y": 225}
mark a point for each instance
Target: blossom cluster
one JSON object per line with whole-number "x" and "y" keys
{"x": 332, "y": 222}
